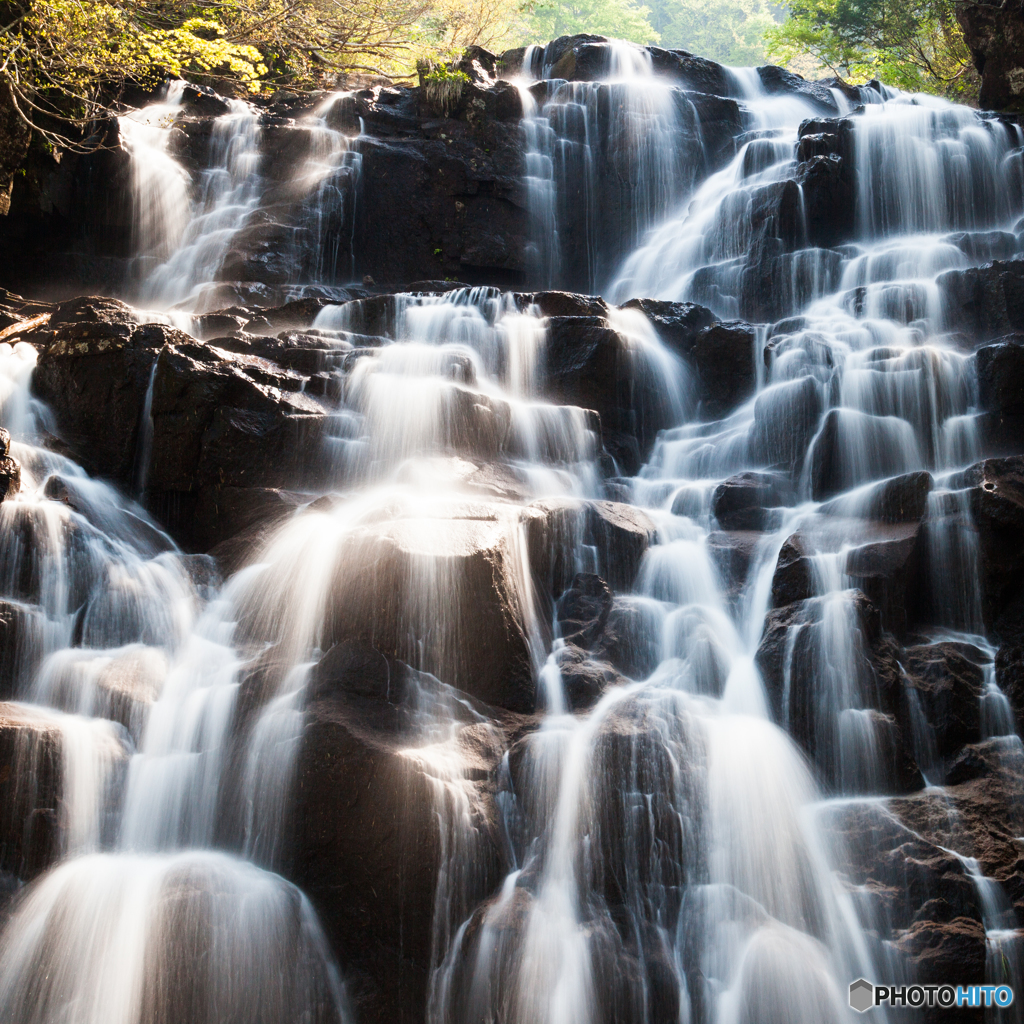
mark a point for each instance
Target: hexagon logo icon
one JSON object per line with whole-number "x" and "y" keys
{"x": 862, "y": 995}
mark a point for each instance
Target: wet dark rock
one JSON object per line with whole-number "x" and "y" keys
{"x": 901, "y": 871}
{"x": 202, "y": 101}
{"x": 696, "y": 73}
{"x": 997, "y": 510}
{"x": 733, "y": 552}
{"x": 985, "y": 302}
{"x": 793, "y": 579}
{"x": 620, "y": 535}
{"x": 389, "y": 581}
{"x": 949, "y": 688}
{"x": 585, "y": 677}
{"x": 627, "y": 644}
{"x": 589, "y": 365}
{"x": 779, "y": 81}
{"x": 10, "y": 478}
{"x": 567, "y": 304}
{"x": 994, "y": 34}
{"x": 747, "y": 500}
{"x": 365, "y": 827}
{"x": 223, "y": 420}
{"x": 785, "y": 419}
{"x": 31, "y": 782}
{"x": 888, "y": 571}
{"x": 793, "y": 664}
{"x": 902, "y": 499}
{"x": 21, "y": 646}
{"x": 1000, "y": 370}
{"x": 215, "y": 325}
{"x": 94, "y": 375}
{"x": 582, "y": 611}
{"x": 678, "y": 323}
{"x": 723, "y": 355}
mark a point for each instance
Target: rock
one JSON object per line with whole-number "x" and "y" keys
{"x": 696, "y": 73}
{"x": 902, "y": 499}
{"x": 1000, "y": 370}
{"x": 628, "y": 641}
{"x": 678, "y": 323}
{"x": 94, "y": 375}
{"x": 937, "y": 951}
{"x": 5, "y": 443}
{"x": 582, "y": 611}
{"x": 949, "y": 688}
{"x": 984, "y": 302}
{"x": 223, "y": 421}
{"x": 584, "y": 677}
{"x": 10, "y": 478}
{"x": 994, "y": 33}
{"x": 779, "y": 81}
{"x": 746, "y": 501}
{"x": 566, "y": 304}
{"x": 419, "y": 585}
{"x": 888, "y": 571}
{"x": 22, "y": 632}
{"x": 723, "y": 355}
{"x": 202, "y": 101}
{"x": 852, "y": 448}
{"x": 588, "y": 364}
{"x": 31, "y": 780}
{"x": 860, "y": 742}
{"x": 555, "y": 527}
{"x": 901, "y": 871}
{"x": 216, "y": 325}
{"x": 733, "y": 552}
{"x": 793, "y": 579}
{"x": 997, "y": 510}
{"x": 366, "y": 827}
{"x": 786, "y": 417}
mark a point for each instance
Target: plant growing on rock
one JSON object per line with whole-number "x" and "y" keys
{"x": 443, "y": 84}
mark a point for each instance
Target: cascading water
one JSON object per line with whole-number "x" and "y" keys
{"x": 658, "y": 845}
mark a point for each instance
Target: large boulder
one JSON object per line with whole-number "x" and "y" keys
{"x": 94, "y": 374}
{"x": 382, "y": 811}
{"x": 985, "y": 302}
{"x": 589, "y": 364}
{"x": 226, "y": 421}
{"x": 861, "y": 742}
{"x": 994, "y": 33}
{"x": 948, "y": 683}
{"x": 751, "y": 501}
{"x": 724, "y": 357}
{"x": 996, "y": 489}
{"x": 678, "y": 323}
{"x": 558, "y": 528}
{"x": 785, "y": 418}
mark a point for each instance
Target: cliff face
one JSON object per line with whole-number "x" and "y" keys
{"x": 995, "y": 35}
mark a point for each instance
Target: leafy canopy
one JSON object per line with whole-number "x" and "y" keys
{"x": 912, "y": 44}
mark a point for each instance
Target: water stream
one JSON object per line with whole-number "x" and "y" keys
{"x": 662, "y": 855}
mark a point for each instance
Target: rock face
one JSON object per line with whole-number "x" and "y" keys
{"x": 994, "y": 33}
{"x": 367, "y": 845}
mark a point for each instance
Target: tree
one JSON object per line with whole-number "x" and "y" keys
{"x": 913, "y": 44}
{"x": 618, "y": 19}
{"x": 729, "y": 31}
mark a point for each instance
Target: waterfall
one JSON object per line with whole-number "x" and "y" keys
{"x": 593, "y": 653}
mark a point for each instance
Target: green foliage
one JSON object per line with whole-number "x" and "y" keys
{"x": 729, "y": 31}
{"x": 619, "y": 19}
{"x": 443, "y": 84}
{"x": 915, "y": 45}
{"x": 199, "y": 45}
